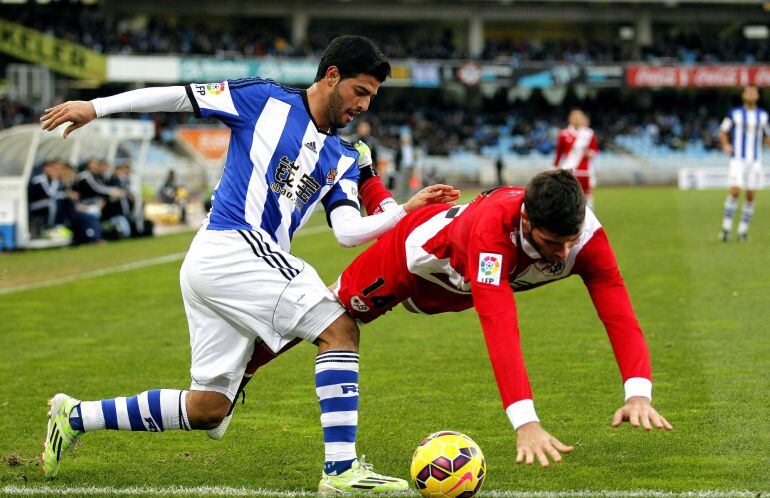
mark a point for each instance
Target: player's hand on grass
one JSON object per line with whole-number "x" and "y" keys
{"x": 534, "y": 443}
{"x": 638, "y": 411}
{"x": 435, "y": 194}
{"x": 77, "y": 112}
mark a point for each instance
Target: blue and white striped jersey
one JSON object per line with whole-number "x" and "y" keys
{"x": 279, "y": 165}
{"x": 748, "y": 127}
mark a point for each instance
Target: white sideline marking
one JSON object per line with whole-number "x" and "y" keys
{"x": 231, "y": 491}
{"x": 121, "y": 268}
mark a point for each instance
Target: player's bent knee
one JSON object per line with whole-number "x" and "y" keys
{"x": 343, "y": 334}
{"x": 207, "y": 409}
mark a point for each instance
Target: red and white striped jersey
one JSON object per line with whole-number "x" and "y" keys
{"x": 477, "y": 257}
{"x": 575, "y": 148}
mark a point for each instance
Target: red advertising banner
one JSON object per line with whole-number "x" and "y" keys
{"x": 712, "y": 76}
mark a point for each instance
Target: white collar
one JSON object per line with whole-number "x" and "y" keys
{"x": 526, "y": 246}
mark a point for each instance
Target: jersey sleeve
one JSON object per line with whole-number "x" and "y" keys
{"x": 727, "y": 124}
{"x": 374, "y": 195}
{"x": 597, "y": 266}
{"x": 232, "y": 102}
{"x": 343, "y": 193}
{"x": 491, "y": 257}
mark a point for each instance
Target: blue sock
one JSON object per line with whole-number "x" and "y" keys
{"x": 336, "y": 380}
{"x": 337, "y": 468}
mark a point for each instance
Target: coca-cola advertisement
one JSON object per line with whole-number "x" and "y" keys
{"x": 711, "y": 76}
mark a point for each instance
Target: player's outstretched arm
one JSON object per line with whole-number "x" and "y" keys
{"x": 434, "y": 194}
{"x": 79, "y": 112}
{"x": 534, "y": 443}
{"x": 351, "y": 229}
{"x": 638, "y": 411}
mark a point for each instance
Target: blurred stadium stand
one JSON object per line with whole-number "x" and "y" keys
{"x": 475, "y": 82}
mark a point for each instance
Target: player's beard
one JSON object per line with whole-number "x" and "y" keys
{"x": 335, "y": 110}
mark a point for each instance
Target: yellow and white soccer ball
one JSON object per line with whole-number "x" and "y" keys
{"x": 448, "y": 464}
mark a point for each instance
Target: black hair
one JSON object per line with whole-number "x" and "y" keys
{"x": 354, "y": 55}
{"x": 554, "y": 201}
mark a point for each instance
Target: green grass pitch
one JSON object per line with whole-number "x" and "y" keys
{"x": 704, "y": 307}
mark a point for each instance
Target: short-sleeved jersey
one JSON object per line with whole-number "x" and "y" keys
{"x": 279, "y": 164}
{"x": 747, "y": 127}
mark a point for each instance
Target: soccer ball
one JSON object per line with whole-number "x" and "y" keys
{"x": 448, "y": 464}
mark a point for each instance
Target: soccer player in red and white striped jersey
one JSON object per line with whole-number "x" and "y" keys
{"x": 575, "y": 148}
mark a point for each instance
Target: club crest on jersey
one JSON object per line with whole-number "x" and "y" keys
{"x": 490, "y": 268}
{"x": 215, "y": 88}
{"x": 286, "y": 183}
{"x": 552, "y": 269}
{"x": 331, "y": 176}
{"x": 358, "y": 304}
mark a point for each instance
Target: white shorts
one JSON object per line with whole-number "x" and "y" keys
{"x": 239, "y": 286}
{"x": 745, "y": 174}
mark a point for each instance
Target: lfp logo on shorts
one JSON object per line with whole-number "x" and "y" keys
{"x": 215, "y": 88}
{"x": 490, "y": 268}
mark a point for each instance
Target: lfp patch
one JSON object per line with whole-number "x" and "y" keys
{"x": 216, "y": 88}
{"x": 490, "y": 265}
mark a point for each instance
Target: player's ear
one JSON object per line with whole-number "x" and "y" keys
{"x": 332, "y": 76}
{"x": 525, "y": 220}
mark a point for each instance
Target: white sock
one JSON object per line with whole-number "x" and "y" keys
{"x": 731, "y": 204}
{"x": 746, "y": 214}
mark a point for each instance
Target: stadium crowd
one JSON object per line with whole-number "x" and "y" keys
{"x": 532, "y": 126}
{"x": 524, "y": 127}
{"x": 182, "y": 36}
{"x": 13, "y": 113}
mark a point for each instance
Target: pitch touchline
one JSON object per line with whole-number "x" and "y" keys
{"x": 121, "y": 268}
{"x": 233, "y": 491}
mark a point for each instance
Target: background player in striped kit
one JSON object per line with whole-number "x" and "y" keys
{"x": 742, "y": 133}
{"x": 575, "y": 148}
{"x": 239, "y": 281}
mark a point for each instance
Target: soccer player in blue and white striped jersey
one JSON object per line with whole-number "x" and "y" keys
{"x": 239, "y": 281}
{"x": 743, "y": 132}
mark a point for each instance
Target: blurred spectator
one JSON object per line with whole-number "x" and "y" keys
{"x": 42, "y": 194}
{"x": 405, "y": 163}
{"x": 171, "y": 193}
{"x": 80, "y": 217}
{"x": 118, "y": 212}
{"x": 14, "y": 113}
